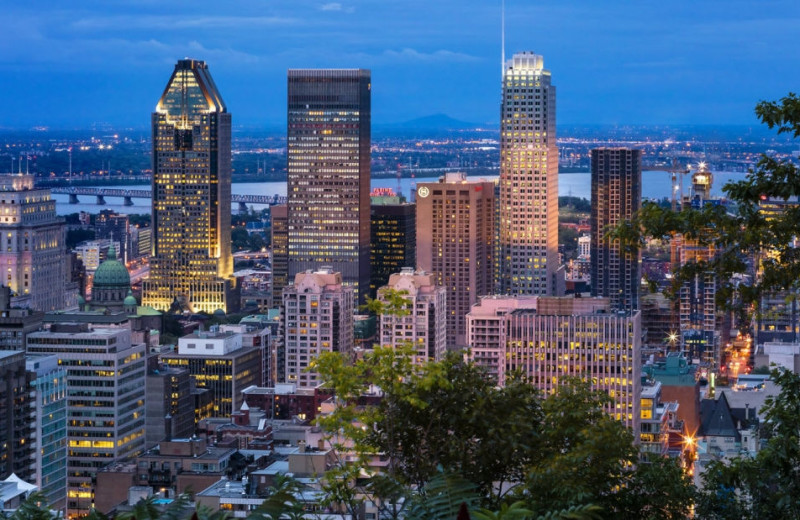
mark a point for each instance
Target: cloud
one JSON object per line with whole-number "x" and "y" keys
{"x": 336, "y": 6}
{"x": 442, "y": 55}
{"x": 179, "y": 22}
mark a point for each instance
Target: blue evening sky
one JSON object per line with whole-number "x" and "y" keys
{"x": 71, "y": 63}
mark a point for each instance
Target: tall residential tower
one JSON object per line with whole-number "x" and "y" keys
{"x": 329, "y": 174}
{"x": 528, "y": 178}
{"x": 616, "y": 196}
{"x": 192, "y": 265}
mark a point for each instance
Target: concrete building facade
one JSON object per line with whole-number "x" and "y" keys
{"x": 425, "y": 325}
{"x": 616, "y": 196}
{"x": 317, "y": 317}
{"x": 563, "y": 336}
{"x": 455, "y": 234}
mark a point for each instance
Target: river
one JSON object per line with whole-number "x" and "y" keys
{"x": 655, "y": 184}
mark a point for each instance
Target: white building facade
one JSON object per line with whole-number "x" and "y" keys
{"x": 425, "y": 325}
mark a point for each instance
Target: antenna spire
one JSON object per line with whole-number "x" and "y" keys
{"x": 502, "y": 37}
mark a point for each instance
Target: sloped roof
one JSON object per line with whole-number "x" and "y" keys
{"x": 717, "y": 420}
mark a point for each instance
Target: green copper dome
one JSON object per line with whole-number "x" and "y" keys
{"x": 130, "y": 300}
{"x": 112, "y": 272}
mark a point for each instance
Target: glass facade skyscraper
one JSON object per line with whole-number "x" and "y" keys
{"x": 528, "y": 178}
{"x": 192, "y": 264}
{"x": 329, "y": 173}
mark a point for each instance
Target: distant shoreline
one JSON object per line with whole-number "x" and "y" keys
{"x": 60, "y": 183}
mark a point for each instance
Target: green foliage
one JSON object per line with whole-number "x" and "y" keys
{"x": 33, "y": 508}
{"x": 139, "y": 219}
{"x": 767, "y": 485}
{"x": 576, "y": 204}
{"x": 739, "y": 240}
{"x": 241, "y": 240}
{"x": 441, "y": 497}
{"x": 445, "y": 423}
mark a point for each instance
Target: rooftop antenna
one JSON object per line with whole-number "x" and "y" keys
{"x": 27, "y": 170}
{"x": 502, "y": 38}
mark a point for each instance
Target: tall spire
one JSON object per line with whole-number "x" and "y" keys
{"x": 502, "y": 37}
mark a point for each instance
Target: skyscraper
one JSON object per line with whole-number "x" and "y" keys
{"x": 280, "y": 253}
{"x": 394, "y": 240}
{"x": 616, "y": 196}
{"x": 329, "y": 174}
{"x": 528, "y": 178}
{"x": 192, "y": 263}
{"x": 33, "y": 256}
{"x": 455, "y": 232}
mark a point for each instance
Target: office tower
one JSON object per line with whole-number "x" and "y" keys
{"x": 528, "y": 178}
{"x": 16, "y": 324}
{"x": 92, "y": 253}
{"x": 217, "y": 362}
{"x": 556, "y": 337}
{"x": 142, "y": 241}
{"x": 33, "y": 251}
{"x": 170, "y": 407}
{"x": 16, "y": 435}
{"x": 280, "y": 253}
{"x": 616, "y": 196}
{"x": 424, "y": 327}
{"x": 394, "y": 240}
{"x": 48, "y": 383}
{"x": 329, "y": 174}
{"x": 698, "y": 306}
{"x": 192, "y": 265}
{"x": 105, "y": 407}
{"x": 115, "y": 226}
{"x": 317, "y": 318}
{"x": 455, "y": 231}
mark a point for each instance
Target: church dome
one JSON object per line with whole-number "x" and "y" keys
{"x": 130, "y": 300}
{"x": 112, "y": 272}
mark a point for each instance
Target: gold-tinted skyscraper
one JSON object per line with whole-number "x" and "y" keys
{"x": 192, "y": 263}
{"x": 329, "y": 173}
{"x": 528, "y": 178}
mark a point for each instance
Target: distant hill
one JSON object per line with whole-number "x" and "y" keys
{"x": 431, "y": 123}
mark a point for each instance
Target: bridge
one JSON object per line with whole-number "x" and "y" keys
{"x": 127, "y": 196}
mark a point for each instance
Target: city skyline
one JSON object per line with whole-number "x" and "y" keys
{"x": 680, "y": 70}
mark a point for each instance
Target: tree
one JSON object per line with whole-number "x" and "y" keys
{"x": 754, "y": 250}
{"x": 445, "y": 423}
{"x": 767, "y": 485}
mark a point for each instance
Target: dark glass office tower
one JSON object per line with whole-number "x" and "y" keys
{"x": 192, "y": 265}
{"x": 329, "y": 173}
{"x": 394, "y": 241}
{"x": 616, "y": 196}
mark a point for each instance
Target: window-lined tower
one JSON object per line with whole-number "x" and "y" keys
{"x": 329, "y": 173}
{"x": 192, "y": 264}
{"x": 616, "y": 196}
{"x": 528, "y": 178}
